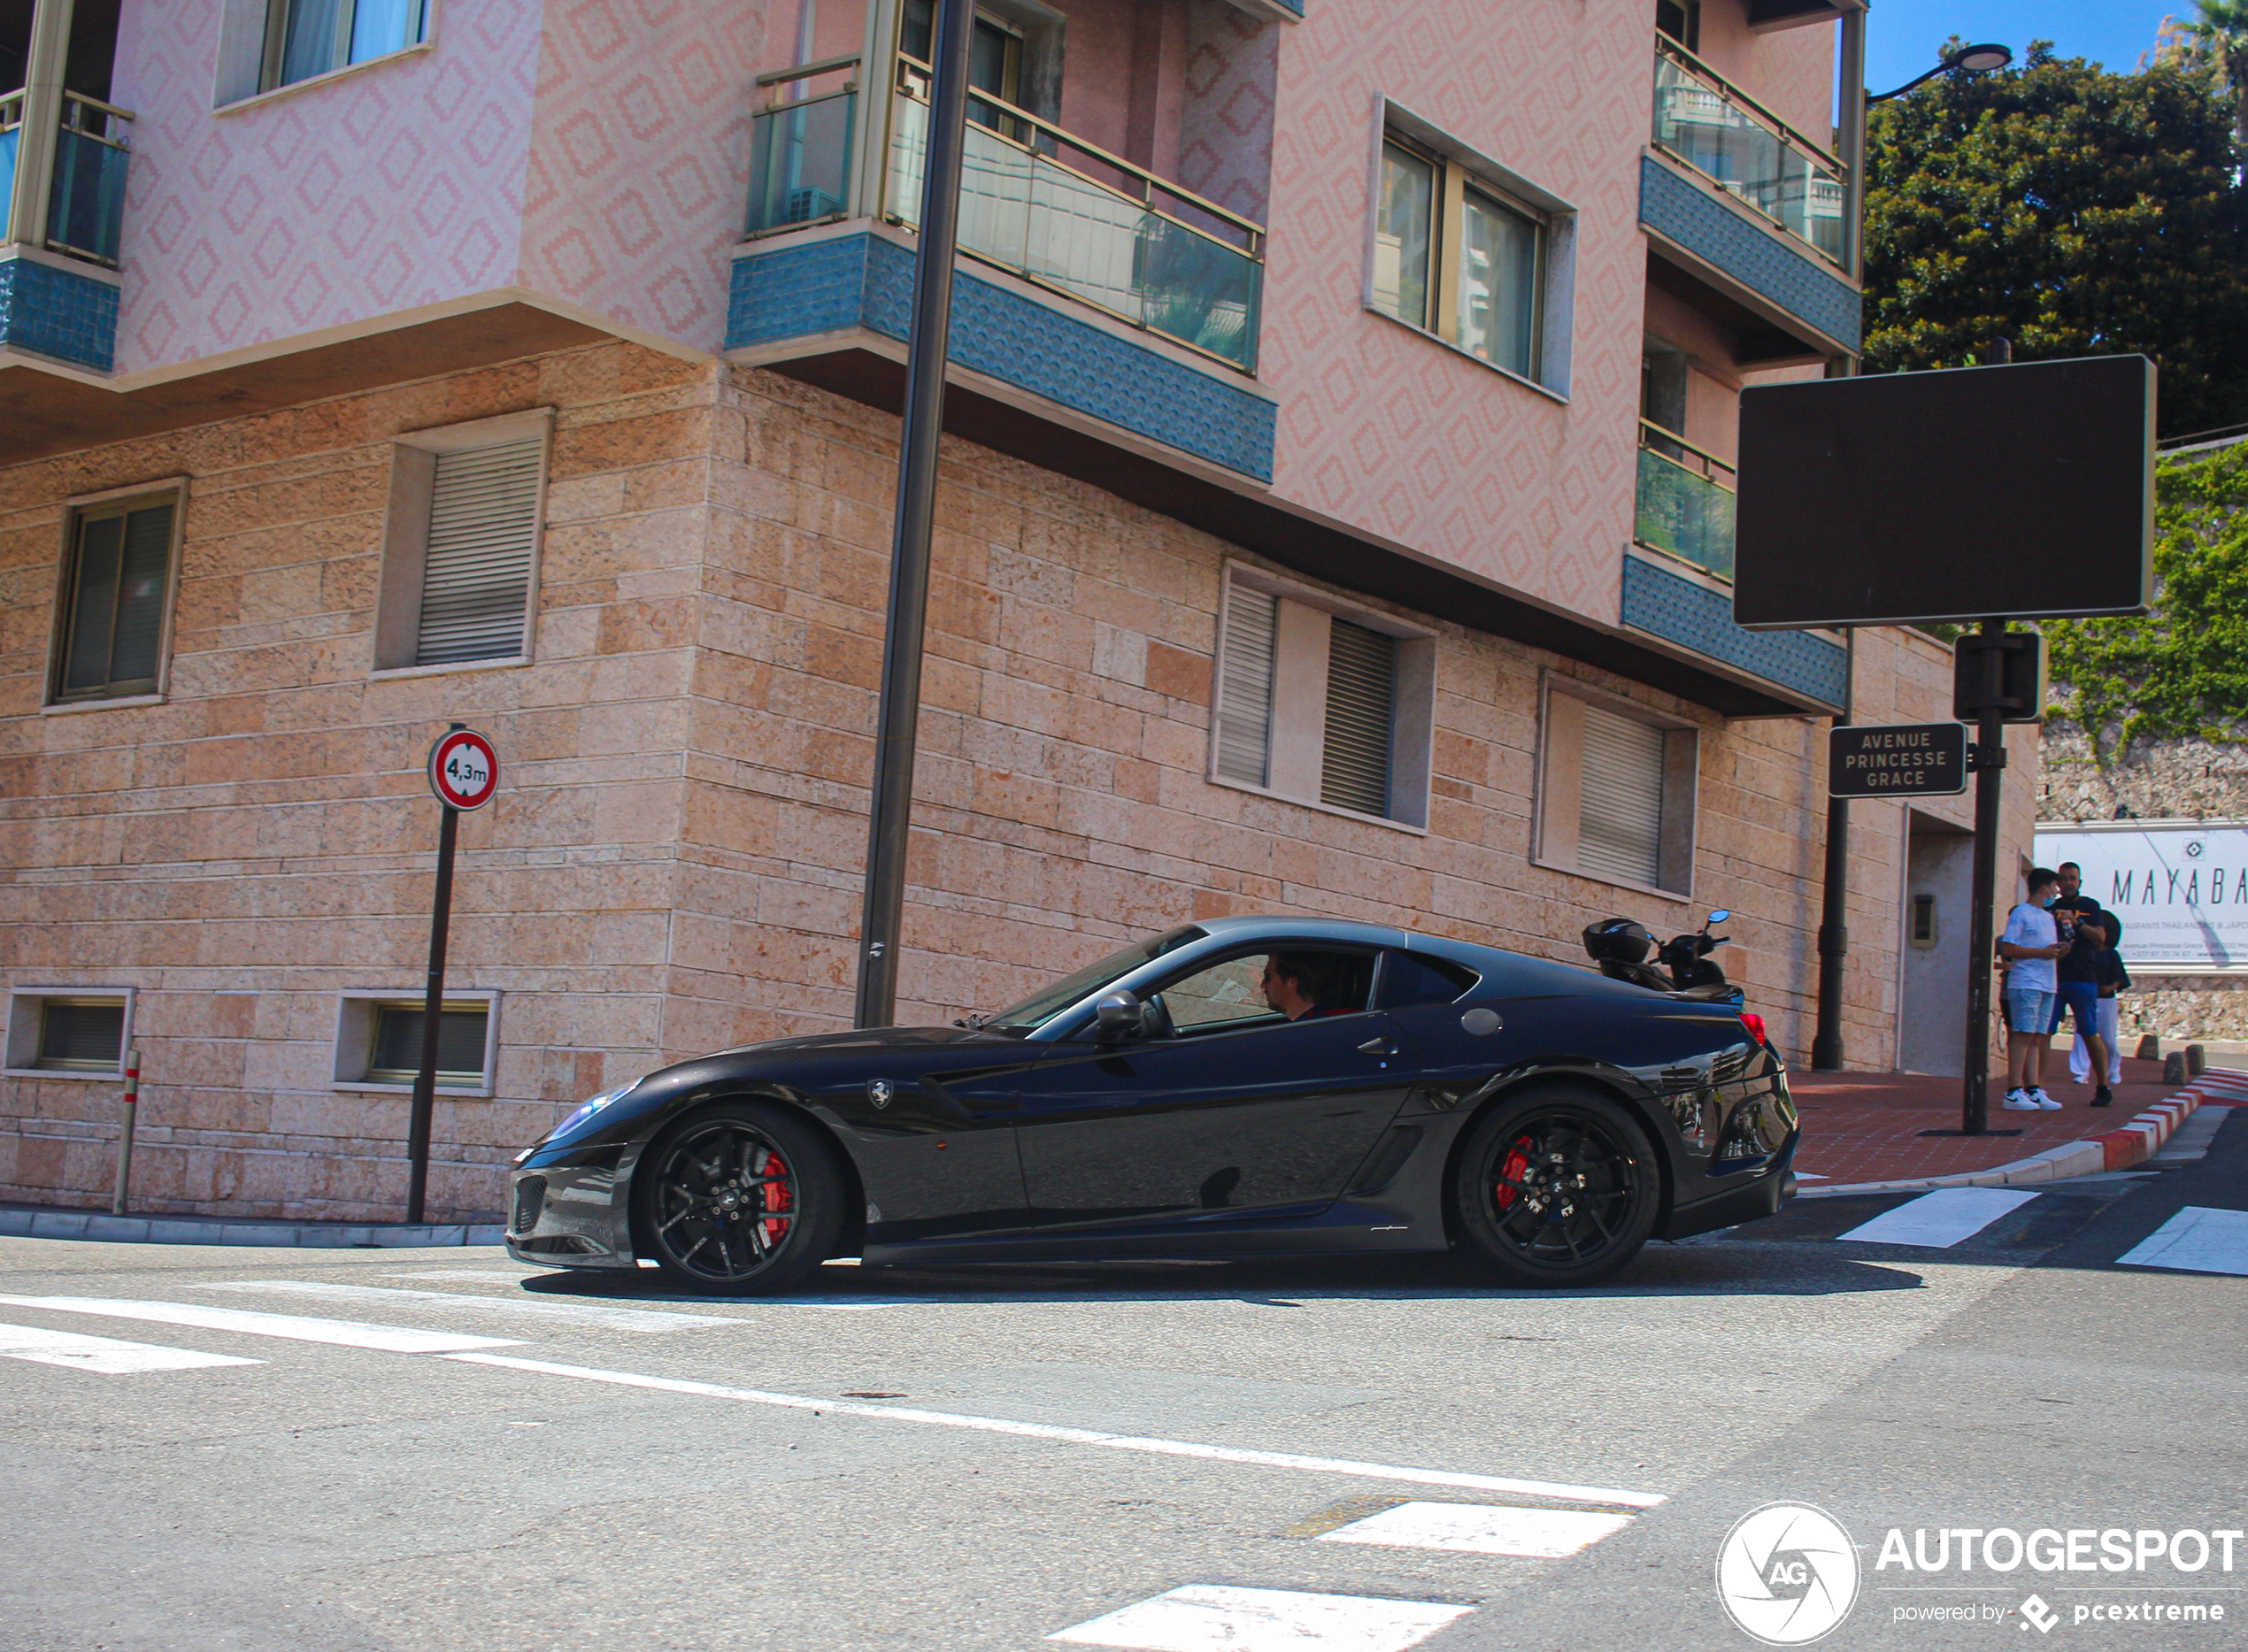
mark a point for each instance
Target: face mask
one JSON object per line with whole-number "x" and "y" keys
{"x": 2048, "y": 901}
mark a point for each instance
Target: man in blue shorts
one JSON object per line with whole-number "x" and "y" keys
{"x": 2031, "y": 943}
{"x": 2084, "y": 925}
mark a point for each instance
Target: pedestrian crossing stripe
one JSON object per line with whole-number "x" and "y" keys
{"x": 1209, "y": 1617}
{"x": 104, "y": 1355}
{"x": 2199, "y": 1239}
{"x": 296, "y": 1327}
{"x": 1469, "y": 1528}
{"x": 1941, "y": 1220}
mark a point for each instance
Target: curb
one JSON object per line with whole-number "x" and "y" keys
{"x": 29, "y": 1222}
{"x": 2114, "y": 1149}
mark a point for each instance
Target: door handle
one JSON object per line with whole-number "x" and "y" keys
{"x": 1377, "y": 1047}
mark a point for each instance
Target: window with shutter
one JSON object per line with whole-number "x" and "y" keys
{"x": 1246, "y": 685}
{"x": 1361, "y": 702}
{"x": 120, "y": 574}
{"x": 81, "y": 1035}
{"x": 1620, "y": 831}
{"x": 476, "y": 573}
{"x": 396, "y": 1055}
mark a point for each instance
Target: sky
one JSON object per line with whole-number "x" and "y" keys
{"x": 1903, "y": 36}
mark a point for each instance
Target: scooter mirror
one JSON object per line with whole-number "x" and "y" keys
{"x": 1718, "y": 917}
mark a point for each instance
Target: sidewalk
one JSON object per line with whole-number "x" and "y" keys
{"x": 32, "y": 1221}
{"x": 1865, "y": 1127}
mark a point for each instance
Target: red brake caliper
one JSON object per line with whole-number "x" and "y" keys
{"x": 780, "y": 1199}
{"x": 1516, "y": 1167}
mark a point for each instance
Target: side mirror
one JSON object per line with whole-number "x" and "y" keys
{"x": 1118, "y": 1015}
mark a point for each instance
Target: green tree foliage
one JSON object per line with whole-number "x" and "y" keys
{"x": 2182, "y": 671}
{"x": 2069, "y": 210}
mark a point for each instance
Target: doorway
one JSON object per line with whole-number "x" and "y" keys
{"x": 1939, "y": 879}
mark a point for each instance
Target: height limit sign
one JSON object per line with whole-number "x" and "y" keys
{"x": 464, "y": 770}
{"x": 1899, "y": 760}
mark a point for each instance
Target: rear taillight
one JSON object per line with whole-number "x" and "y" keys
{"x": 1755, "y": 1025}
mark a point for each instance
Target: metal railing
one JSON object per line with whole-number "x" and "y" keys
{"x": 1100, "y": 229}
{"x": 1684, "y": 500}
{"x": 800, "y": 149}
{"x": 1722, "y": 132}
{"x": 85, "y": 196}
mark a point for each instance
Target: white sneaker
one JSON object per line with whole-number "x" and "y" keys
{"x": 2019, "y": 1102}
{"x": 2046, "y": 1103}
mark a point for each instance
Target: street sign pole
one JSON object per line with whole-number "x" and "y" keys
{"x": 1990, "y": 760}
{"x": 463, "y": 772}
{"x": 1834, "y": 898}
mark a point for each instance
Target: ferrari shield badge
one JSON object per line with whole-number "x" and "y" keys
{"x": 879, "y": 1091}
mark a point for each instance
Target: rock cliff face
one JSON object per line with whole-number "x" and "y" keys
{"x": 2186, "y": 779}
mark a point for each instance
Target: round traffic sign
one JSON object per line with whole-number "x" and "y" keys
{"x": 464, "y": 770}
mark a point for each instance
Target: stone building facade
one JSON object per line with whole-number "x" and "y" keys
{"x": 229, "y": 855}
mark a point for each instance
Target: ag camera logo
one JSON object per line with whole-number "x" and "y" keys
{"x": 1787, "y": 1574}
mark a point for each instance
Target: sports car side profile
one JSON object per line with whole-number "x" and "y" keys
{"x": 1244, "y": 1087}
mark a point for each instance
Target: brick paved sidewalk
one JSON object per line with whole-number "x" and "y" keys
{"x": 1864, "y": 1126}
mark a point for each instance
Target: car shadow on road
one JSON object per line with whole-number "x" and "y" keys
{"x": 1706, "y": 1268}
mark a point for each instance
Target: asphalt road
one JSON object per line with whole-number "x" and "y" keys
{"x": 483, "y": 1455}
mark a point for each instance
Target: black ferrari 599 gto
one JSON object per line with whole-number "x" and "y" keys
{"x": 1246, "y": 1087}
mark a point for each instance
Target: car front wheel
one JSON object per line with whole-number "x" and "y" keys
{"x": 1557, "y": 1187}
{"x": 743, "y": 1200}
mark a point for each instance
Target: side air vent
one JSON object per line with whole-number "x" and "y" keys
{"x": 1387, "y": 1159}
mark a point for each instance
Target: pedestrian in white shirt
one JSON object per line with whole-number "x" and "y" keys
{"x": 2031, "y": 943}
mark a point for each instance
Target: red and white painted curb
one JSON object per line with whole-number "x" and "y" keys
{"x": 2134, "y": 1143}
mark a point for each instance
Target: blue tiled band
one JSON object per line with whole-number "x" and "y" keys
{"x": 1760, "y": 261}
{"x": 1667, "y": 605}
{"x": 867, "y": 281}
{"x": 53, "y": 312}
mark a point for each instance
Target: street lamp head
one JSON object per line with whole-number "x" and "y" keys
{"x": 1978, "y": 59}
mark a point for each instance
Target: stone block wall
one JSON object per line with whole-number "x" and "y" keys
{"x": 673, "y": 863}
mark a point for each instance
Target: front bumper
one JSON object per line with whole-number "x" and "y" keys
{"x": 571, "y": 1217}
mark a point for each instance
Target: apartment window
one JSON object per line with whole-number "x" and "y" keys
{"x": 378, "y": 1041}
{"x": 1460, "y": 254}
{"x": 1616, "y": 792}
{"x": 460, "y": 555}
{"x": 994, "y": 58}
{"x": 1681, "y": 20}
{"x": 115, "y": 598}
{"x": 1320, "y": 703}
{"x": 68, "y": 1031}
{"x": 308, "y": 37}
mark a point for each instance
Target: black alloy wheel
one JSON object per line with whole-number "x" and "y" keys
{"x": 1557, "y": 1187}
{"x": 742, "y": 1199}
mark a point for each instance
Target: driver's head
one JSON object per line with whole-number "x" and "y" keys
{"x": 1297, "y": 983}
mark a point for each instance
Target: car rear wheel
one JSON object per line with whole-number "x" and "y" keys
{"x": 743, "y": 1200}
{"x": 1557, "y": 1187}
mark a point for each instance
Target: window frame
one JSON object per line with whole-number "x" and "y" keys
{"x": 245, "y": 33}
{"x": 276, "y": 44}
{"x": 76, "y": 511}
{"x": 397, "y": 639}
{"x": 1271, "y": 1020}
{"x": 27, "y": 1017}
{"x": 1413, "y": 716}
{"x": 357, "y": 1016}
{"x": 1459, "y": 171}
{"x": 1559, "y": 796}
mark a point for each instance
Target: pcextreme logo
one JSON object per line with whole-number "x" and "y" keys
{"x": 1787, "y": 1574}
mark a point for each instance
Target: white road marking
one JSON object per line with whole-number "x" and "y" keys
{"x": 602, "y": 1316}
{"x": 1076, "y": 1436}
{"x": 482, "y": 1276}
{"x": 102, "y": 1354}
{"x": 1941, "y": 1220}
{"x": 1471, "y": 1528}
{"x": 2199, "y": 1239}
{"x": 341, "y": 1332}
{"x": 1205, "y": 1617}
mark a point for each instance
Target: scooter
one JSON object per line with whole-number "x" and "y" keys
{"x": 1621, "y": 946}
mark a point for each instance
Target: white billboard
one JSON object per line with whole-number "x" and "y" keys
{"x": 2180, "y": 890}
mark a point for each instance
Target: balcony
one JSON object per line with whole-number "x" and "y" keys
{"x": 1036, "y": 202}
{"x": 1685, "y": 502}
{"x": 1747, "y": 151}
{"x": 62, "y": 199}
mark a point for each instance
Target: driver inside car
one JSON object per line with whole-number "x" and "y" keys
{"x": 1305, "y": 986}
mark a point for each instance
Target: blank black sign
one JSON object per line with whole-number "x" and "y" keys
{"x": 2022, "y": 492}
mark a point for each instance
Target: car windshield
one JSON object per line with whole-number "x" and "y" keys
{"x": 1040, "y": 1006}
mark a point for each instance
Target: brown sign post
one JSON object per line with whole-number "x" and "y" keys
{"x": 464, "y": 772}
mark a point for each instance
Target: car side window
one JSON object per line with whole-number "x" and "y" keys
{"x": 1412, "y": 978}
{"x": 1264, "y": 988}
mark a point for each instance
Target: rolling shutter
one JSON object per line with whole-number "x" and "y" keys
{"x": 1619, "y": 832}
{"x": 1246, "y": 685}
{"x": 476, "y": 579}
{"x": 1361, "y": 701}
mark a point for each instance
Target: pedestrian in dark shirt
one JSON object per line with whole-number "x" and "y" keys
{"x": 2085, "y": 925}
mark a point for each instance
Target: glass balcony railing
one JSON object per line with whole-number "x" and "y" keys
{"x": 1685, "y": 501}
{"x": 1746, "y": 150}
{"x": 800, "y": 154}
{"x": 1101, "y": 229}
{"x": 86, "y": 201}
